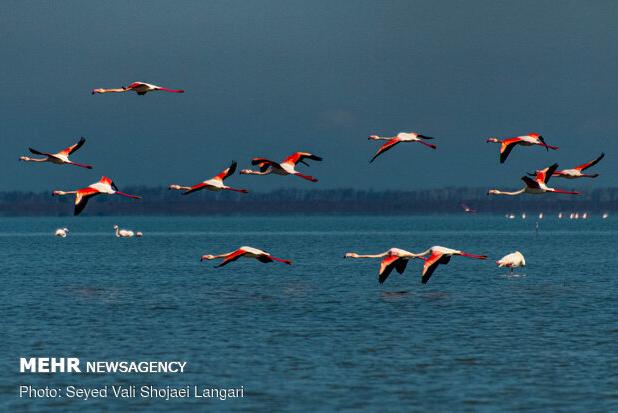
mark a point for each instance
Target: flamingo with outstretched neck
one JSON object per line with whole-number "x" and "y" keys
{"x": 578, "y": 171}
{"x": 104, "y": 186}
{"x": 535, "y": 186}
{"x": 246, "y": 252}
{"x": 60, "y": 158}
{"x": 399, "y": 138}
{"x": 141, "y": 88}
{"x": 441, "y": 255}
{"x": 286, "y": 167}
{"x": 393, "y": 259}
{"x": 214, "y": 184}
{"x": 507, "y": 145}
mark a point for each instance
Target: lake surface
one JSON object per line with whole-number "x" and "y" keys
{"x": 322, "y": 334}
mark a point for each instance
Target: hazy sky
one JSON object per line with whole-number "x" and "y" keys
{"x": 267, "y": 78}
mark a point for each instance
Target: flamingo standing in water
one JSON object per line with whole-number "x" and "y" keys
{"x": 59, "y": 158}
{"x": 214, "y": 184}
{"x": 512, "y": 260}
{"x": 103, "y": 186}
{"x": 247, "y": 252}
{"x": 577, "y": 172}
{"x": 140, "y": 88}
{"x": 535, "y": 186}
{"x": 286, "y": 167}
{"x": 507, "y": 145}
{"x": 394, "y": 258}
{"x": 401, "y": 137}
{"x": 441, "y": 255}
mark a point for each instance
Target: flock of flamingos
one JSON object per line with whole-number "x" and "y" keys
{"x": 395, "y": 258}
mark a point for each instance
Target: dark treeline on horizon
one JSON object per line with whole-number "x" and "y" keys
{"x": 161, "y": 201}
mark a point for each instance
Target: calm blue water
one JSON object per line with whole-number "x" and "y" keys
{"x": 320, "y": 335}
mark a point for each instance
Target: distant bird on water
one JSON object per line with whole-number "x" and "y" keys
{"x": 123, "y": 233}
{"x": 535, "y": 186}
{"x": 394, "y": 258}
{"x": 62, "y": 232}
{"x": 507, "y": 145}
{"x": 60, "y": 158}
{"x": 577, "y": 172}
{"x": 104, "y": 186}
{"x": 512, "y": 260}
{"x": 214, "y": 184}
{"x": 401, "y": 137}
{"x": 140, "y": 88}
{"x": 247, "y": 252}
{"x": 286, "y": 167}
{"x": 467, "y": 209}
{"x": 441, "y": 255}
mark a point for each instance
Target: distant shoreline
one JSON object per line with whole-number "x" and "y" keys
{"x": 158, "y": 201}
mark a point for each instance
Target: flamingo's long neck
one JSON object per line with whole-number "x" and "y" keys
{"x": 64, "y": 192}
{"x": 251, "y": 172}
{"x": 113, "y": 90}
{"x": 521, "y": 191}
{"x": 420, "y": 254}
{"x": 355, "y": 255}
{"x": 180, "y": 187}
{"x": 227, "y": 254}
{"x": 28, "y": 159}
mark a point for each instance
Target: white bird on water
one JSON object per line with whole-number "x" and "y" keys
{"x": 123, "y": 233}
{"x": 62, "y": 232}
{"x": 512, "y": 260}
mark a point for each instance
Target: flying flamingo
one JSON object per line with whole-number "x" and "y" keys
{"x": 123, "y": 233}
{"x": 577, "y": 171}
{"x": 214, "y": 184}
{"x": 62, "y": 232}
{"x": 286, "y": 167}
{"x": 247, "y": 252}
{"x": 401, "y": 137}
{"x": 512, "y": 260}
{"x": 140, "y": 88}
{"x": 535, "y": 186}
{"x": 441, "y": 255}
{"x": 394, "y": 258}
{"x": 507, "y": 145}
{"x": 59, "y": 158}
{"x": 103, "y": 186}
